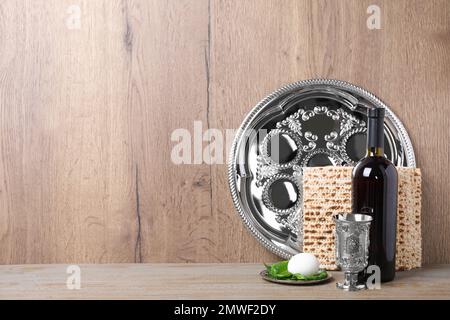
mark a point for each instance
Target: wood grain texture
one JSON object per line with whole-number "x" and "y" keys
{"x": 167, "y": 91}
{"x": 202, "y": 281}
{"x": 67, "y": 182}
{"x": 86, "y": 115}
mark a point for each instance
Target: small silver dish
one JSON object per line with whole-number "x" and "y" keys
{"x": 265, "y": 275}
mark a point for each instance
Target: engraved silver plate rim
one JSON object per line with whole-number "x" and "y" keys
{"x": 339, "y": 84}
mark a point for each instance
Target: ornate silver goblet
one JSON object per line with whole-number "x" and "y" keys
{"x": 352, "y": 247}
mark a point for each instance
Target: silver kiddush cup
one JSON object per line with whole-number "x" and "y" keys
{"x": 352, "y": 247}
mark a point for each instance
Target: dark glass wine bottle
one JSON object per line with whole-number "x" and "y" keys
{"x": 374, "y": 192}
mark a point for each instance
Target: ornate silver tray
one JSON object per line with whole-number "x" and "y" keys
{"x": 308, "y": 123}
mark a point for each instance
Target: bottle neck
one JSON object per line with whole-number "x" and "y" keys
{"x": 375, "y": 137}
{"x": 375, "y": 152}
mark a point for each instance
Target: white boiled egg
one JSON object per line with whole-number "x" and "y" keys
{"x": 304, "y": 263}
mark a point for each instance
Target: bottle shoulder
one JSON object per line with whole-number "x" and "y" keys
{"x": 379, "y": 166}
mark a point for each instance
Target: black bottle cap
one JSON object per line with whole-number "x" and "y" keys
{"x": 375, "y": 130}
{"x": 376, "y": 113}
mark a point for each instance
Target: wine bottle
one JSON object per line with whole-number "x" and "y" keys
{"x": 374, "y": 192}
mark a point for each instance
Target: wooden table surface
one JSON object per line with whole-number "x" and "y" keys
{"x": 201, "y": 281}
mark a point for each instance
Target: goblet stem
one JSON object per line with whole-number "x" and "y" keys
{"x": 350, "y": 282}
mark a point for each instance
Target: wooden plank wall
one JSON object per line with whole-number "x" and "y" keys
{"x": 87, "y": 111}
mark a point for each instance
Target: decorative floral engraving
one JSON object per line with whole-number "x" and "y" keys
{"x": 331, "y": 136}
{"x": 310, "y": 136}
{"x": 342, "y": 148}
{"x": 292, "y": 122}
{"x": 349, "y": 121}
{"x": 307, "y": 142}
{"x": 267, "y": 140}
{"x": 353, "y": 246}
{"x": 298, "y": 172}
{"x": 334, "y": 157}
{"x": 320, "y": 109}
{"x": 309, "y": 147}
{"x": 290, "y": 222}
{"x": 264, "y": 170}
{"x": 352, "y": 240}
{"x": 332, "y": 146}
{"x": 308, "y": 115}
{"x": 333, "y": 115}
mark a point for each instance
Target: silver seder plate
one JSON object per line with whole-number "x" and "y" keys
{"x": 304, "y": 124}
